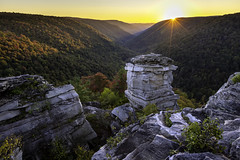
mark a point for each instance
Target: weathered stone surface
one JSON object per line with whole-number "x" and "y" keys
{"x": 9, "y": 106}
{"x": 151, "y": 140}
{"x": 159, "y": 148}
{"x": 8, "y": 115}
{"x": 46, "y": 114}
{"x": 17, "y": 154}
{"x": 124, "y": 112}
{"x": 235, "y": 150}
{"x": 225, "y": 104}
{"x": 197, "y": 156}
{"x": 149, "y": 79}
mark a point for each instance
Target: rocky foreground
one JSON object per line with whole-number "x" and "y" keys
{"x": 40, "y": 114}
{"x": 153, "y": 140}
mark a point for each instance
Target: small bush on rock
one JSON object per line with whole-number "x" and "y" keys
{"x": 113, "y": 141}
{"x": 142, "y": 114}
{"x": 167, "y": 119}
{"x": 83, "y": 154}
{"x": 203, "y": 137}
{"x": 236, "y": 78}
{"x": 58, "y": 151}
{"x": 8, "y": 146}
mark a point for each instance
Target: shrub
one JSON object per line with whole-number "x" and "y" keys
{"x": 236, "y": 78}
{"x": 113, "y": 141}
{"x": 85, "y": 94}
{"x": 150, "y": 108}
{"x": 8, "y": 146}
{"x": 83, "y": 154}
{"x": 184, "y": 101}
{"x": 58, "y": 151}
{"x": 142, "y": 114}
{"x": 203, "y": 137}
{"x": 109, "y": 99}
{"x": 167, "y": 119}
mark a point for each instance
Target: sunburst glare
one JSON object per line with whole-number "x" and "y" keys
{"x": 173, "y": 12}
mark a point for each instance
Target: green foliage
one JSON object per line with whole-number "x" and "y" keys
{"x": 58, "y": 151}
{"x": 109, "y": 99}
{"x": 83, "y": 154}
{"x": 184, "y": 101}
{"x": 9, "y": 145}
{"x": 167, "y": 119}
{"x": 113, "y": 141}
{"x": 236, "y": 78}
{"x": 85, "y": 94}
{"x": 186, "y": 119}
{"x": 203, "y": 137}
{"x": 142, "y": 114}
{"x": 150, "y": 108}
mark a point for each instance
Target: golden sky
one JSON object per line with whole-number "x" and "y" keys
{"x": 125, "y": 10}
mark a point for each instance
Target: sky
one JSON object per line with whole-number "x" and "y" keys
{"x": 132, "y": 11}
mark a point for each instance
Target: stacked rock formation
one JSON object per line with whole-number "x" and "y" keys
{"x": 149, "y": 79}
{"x": 39, "y": 113}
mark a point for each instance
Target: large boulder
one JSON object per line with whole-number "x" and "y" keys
{"x": 149, "y": 79}
{"x": 225, "y": 104}
{"x": 124, "y": 113}
{"x": 39, "y": 113}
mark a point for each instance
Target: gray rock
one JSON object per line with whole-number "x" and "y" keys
{"x": 17, "y": 154}
{"x": 8, "y": 115}
{"x": 148, "y": 141}
{"x": 235, "y": 150}
{"x": 123, "y": 112}
{"x": 149, "y": 79}
{"x": 159, "y": 148}
{"x": 9, "y": 106}
{"x": 225, "y": 104}
{"x": 197, "y": 156}
{"x": 58, "y": 114}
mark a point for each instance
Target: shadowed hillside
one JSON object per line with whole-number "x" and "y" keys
{"x": 132, "y": 28}
{"x": 206, "y": 49}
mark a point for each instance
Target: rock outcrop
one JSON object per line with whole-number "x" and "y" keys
{"x": 39, "y": 113}
{"x": 149, "y": 79}
{"x": 154, "y": 140}
{"x": 225, "y": 106}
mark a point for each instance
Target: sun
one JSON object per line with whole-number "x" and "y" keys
{"x": 173, "y": 12}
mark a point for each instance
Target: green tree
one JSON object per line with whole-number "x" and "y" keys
{"x": 203, "y": 137}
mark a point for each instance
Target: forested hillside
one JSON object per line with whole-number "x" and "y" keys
{"x": 132, "y": 28}
{"x": 206, "y": 49}
{"x": 55, "y": 47}
{"x": 116, "y": 30}
{"x": 111, "y": 31}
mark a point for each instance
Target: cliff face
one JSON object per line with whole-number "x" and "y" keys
{"x": 40, "y": 113}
